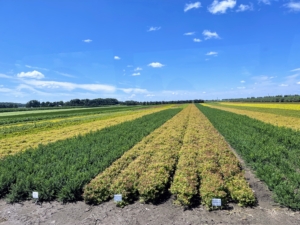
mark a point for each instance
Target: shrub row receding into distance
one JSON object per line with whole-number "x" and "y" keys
{"x": 273, "y": 152}
{"x": 207, "y": 167}
{"x": 186, "y": 145}
{"x": 60, "y": 170}
{"x": 144, "y": 170}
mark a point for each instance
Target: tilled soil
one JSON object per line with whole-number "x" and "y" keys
{"x": 266, "y": 212}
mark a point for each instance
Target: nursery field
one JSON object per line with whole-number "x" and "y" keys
{"x": 18, "y": 137}
{"x": 172, "y": 156}
{"x": 279, "y": 114}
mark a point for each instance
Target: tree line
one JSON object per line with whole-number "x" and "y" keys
{"x": 102, "y": 102}
{"x": 276, "y": 98}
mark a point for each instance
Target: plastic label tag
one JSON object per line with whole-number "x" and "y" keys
{"x": 216, "y": 202}
{"x": 118, "y": 198}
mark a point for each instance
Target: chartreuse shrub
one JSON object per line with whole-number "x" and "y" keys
{"x": 273, "y": 153}
{"x": 60, "y": 170}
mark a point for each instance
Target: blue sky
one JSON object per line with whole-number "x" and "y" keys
{"x": 148, "y": 50}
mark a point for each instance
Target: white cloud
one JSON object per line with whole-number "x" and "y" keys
{"x": 196, "y": 40}
{"x": 266, "y": 2}
{"x": 242, "y": 81}
{"x": 133, "y": 90}
{"x": 34, "y": 67}
{"x": 189, "y": 33}
{"x": 243, "y": 7}
{"x": 65, "y": 74}
{"x": 293, "y": 6}
{"x": 87, "y": 40}
{"x": 240, "y": 87}
{"x": 138, "y": 68}
{"x": 150, "y": 95}
{"x": 33, "y": 74}
{"x": 208, "y": 34}
{"x": 136, "y": 74}
{"x": 5, "y": 76}
{"x": 190, "y": 6}
{"x": 156, "y": 65}
{"x": 117, "y": 58}
{"x": 222, "y": 6}
{"x": 154, "y": 29}
{"x": 69, "y": 86}
{"x": 283, "y": 85}
{"x": 204, "y": 92}
{"x": 131, "y": 96}
{"x": 298, "y": 82}
{"x": 212, "y": 53}
{"x": 298, "y": 69}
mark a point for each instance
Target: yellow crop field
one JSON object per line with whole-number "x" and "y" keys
{"x": 19, "y": 143}
{"x": 277, "y": 120}
{"x": 295, "y": 106}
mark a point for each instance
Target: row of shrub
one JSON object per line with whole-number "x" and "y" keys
{"x": 60, "y": 170}
{"x": 272, "y": 152}
{"x": 146, "y": 170}
{"x": 207, "y": 168}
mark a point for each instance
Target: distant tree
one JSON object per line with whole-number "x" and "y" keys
{"x": 33, "y": 103}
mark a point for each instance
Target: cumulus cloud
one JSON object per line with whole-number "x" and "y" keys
{"x": 190, "y": 6}
{"x": 243, "y": 7}
{"x": 33, "y": 74}
{"x": 136, "y": 74}
{"x": 212, "y": 53}
{"x": 155, "y": 65}
{"x": 117, "y": 58}
{"x": 153, "y": 29}
{"x": 208, "y": 35}
{"x": 189, "y": 33}
{"x": 196, "y": 40}
{"x": 221, "y": 6}
{"x": 149, "y": 95}
{"x": 293, "y": 6}
{"x": 138, "y": 68}
{"x": 242, "y": 81}
{"x": 87, "y": 40}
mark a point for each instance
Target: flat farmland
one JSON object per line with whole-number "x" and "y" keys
{"x": 167, "y": 162}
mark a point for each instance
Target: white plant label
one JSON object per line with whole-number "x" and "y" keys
{"x": 216, "y": 202}
{"x": 35, "y": 194}
{"x": 118, "y": 198}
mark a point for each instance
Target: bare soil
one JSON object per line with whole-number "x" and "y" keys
{"x": 266, "y": 212}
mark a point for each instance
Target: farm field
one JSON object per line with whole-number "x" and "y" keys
{"x": 27, "y": 135}
{"x": 271, "y": 151}
{"x": 59, "y": 170}
{"x": 171, "y": 157}
{"x": 186, "y": 145}
{"x": 284, "y": 115}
